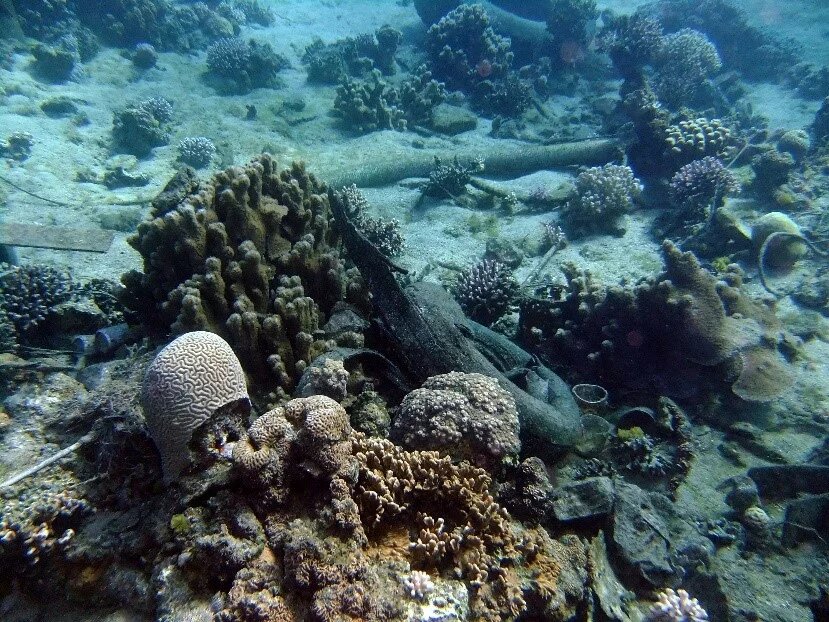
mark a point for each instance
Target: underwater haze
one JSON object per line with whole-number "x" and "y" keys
{"x": 411, "y": 310}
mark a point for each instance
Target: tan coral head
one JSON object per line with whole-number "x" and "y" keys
{"x": 187, "y": 382}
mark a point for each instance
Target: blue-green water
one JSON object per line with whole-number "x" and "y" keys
{"x": 409, "y": 310}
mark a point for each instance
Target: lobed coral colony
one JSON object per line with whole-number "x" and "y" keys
{"x": 538, "y": 332}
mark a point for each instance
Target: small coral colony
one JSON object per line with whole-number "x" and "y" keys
{"x": 289, "y": 411}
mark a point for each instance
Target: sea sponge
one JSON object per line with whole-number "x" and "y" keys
{"x": 467, "y": 416}
{"x": 187, "y": 382}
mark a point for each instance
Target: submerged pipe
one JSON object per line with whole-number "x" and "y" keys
{"x": 507, "y": 161}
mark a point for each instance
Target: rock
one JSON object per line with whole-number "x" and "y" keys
{"x": 805, "y": 520}
{"x": 120, "y": 178}
{"x": 787, "y": 481}
{"x": 742, "y": 493}
{"x": 610, "y": 594}
{"x": 75, "y": 317}
{"x": 451, "y": 120}
{"x": 60, "y": 106}
{"x": 640, "y": 539}
{"x": 582, "y": 500}
{"x": 530, "y": 495}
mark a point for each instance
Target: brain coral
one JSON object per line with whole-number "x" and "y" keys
{"x": 468, "y": 416}
{"x": 185, "y": 384}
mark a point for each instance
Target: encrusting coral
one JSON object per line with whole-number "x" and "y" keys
{"x": 249, "y": 255}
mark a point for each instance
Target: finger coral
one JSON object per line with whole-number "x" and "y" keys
{"x": 249, "y": 255}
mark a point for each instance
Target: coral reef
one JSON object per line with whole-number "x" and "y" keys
{"x": 571, "y": 20}
{"x": 196, "y": 151}
{"x": 140, "y": 127}
{"x": 255, "y": 12}
{"x": 771, "y": 169}
{"x": 686, "y": 60}
{"x": 17, "y": 146}
{"x": 352, "y": 57}
{"x": 466, "y": 416}
{"x": 237, "y": 67}
{"x": 464, "y": 49}
{"x": 485, "y": 291}
{"x": 631, "y": 41}
{"x": 165, "y": 25}
{"x": 700, "y": 187}
{"x": 144, "y": 56}
{"x": 603, "y": 194}
{"x": 692, "y": 139}
{"x": 249, "y": 255}
{"x": 705, "y": 328}
{"x": 187, "y": 382}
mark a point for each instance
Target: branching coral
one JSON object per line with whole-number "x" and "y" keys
{"x": 239, "y": 66}
{"x": 687, "y": 59}
{"x": 352, "y": 57}
{"x": 700, "y": 186}
{"x": 485, "y": 291}
{"x": 603, "y": 194}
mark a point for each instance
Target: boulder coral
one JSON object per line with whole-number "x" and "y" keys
{"x": 466, "y": 416}
{"x": 249, "y": 255}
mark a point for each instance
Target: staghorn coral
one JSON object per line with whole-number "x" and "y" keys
{"x": 466, "y": 416}
{"x": 700, "y": 187}
{"x": 372, "y": 104}
{"x": 237, "y": 67}
{"x": 368, "y": 105}
{"x": 187, "y": 382}
{"x": 462, "y": 530}
{"x": 196, "y": 151}
{"x": 686, "y": 60}
{"x": 485, "y": 291}
{"x": 249, "y": 255}
{"x": 603, "y": 194}
{"x": 676, "y": 606}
